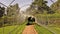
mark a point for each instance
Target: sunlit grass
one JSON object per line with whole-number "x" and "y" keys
{"x": 18, "y": 30}
{"x": 55, "y": 29}
{"x": 6, "y": 29}
{"x": 42, "y": 30}
{"x": 14, "y": 29}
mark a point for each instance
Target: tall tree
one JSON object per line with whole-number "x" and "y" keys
{"x": 41, "y": 5}
{"x": 2, "y": 10}
{"x": 56, "y": 6}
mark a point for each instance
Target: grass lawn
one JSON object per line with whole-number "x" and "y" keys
{"x": 6, "y": 29}
{"x": 16, "y": 29}
{"x": 55, "y": 29}
{"x": 42, "y": 30}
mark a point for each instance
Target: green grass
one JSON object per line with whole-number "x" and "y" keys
{"x": 42, "y": 30}
{"x": 18, "y": 30}
{"x": 21, "y": 29}
{"x": 12, "y": 30}
{"x": 6, "y": 29}
{"x": 1, "y": 31}
{"x": 55, "y": 29}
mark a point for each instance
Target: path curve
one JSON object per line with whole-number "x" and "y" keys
{"x": 29, "y": 30}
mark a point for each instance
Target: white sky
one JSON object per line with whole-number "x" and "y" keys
{"x": 23, "y": 2}
{"x": 50, "y": 3}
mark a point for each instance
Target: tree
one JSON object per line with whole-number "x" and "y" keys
{"x": 2, "y": 10}
{"x": 56, "y": 6}
{"x": 41, "y": 5}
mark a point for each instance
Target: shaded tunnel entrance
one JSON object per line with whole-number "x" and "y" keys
{"x": 30, "y": 20}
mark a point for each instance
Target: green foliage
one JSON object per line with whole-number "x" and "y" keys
{"x": 37, "y": 2}
{"x": 56, "y": 6}
{"x": 41, "y": 7}
{"x": 13, "y": 10}
{"x": 12, "y": 14}
{"x": 50, "y": 18}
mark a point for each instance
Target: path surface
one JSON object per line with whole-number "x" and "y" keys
{"x": 29, "y": 30}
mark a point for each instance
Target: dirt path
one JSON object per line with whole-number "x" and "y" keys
{"x": 29, "y": 30}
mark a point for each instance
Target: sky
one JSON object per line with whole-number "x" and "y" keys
{"x": 23, "y": 3}
{"x": 50, "y": 3}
